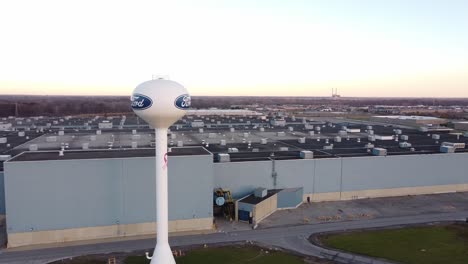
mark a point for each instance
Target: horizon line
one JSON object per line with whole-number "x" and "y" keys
{"x": 262, "y": 96}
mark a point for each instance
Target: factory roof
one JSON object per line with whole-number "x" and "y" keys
{"x": 105, "y": 154}
{"x": 250, "y": 139}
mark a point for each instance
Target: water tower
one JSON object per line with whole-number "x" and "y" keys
{"x": 161, "y": 103}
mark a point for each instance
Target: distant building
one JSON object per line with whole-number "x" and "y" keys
{"x": 461, "y": 125}
{"x": 278, "y": 122}
{"x": 105, "y": 125}
{"x": 227, "y": 112}
{"x": 5, "y": 126}
{"x": 409, "y": 120}
{"x": 197, "y": 123}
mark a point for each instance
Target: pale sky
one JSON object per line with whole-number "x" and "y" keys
{"x": 240, "y": 47}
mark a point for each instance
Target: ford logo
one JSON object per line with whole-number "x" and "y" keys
{"x": 141, "y": 102}
{"x": 183, "y": 102}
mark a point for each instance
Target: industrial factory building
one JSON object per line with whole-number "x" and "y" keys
{"x": 101, "y": 194}
{"x": 101, "y": 184}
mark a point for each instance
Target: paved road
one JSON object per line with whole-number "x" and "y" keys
{"x": 291, "y": 238}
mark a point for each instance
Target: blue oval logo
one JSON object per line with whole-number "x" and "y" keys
{"x": 141, "y": 102}
{"x": 183, "y": 102}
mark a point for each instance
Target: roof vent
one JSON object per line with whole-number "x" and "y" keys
{"x": 260, "y": 192}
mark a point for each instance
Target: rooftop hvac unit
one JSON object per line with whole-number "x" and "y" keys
{"x": 200, "y": 130}
{"x": 307, "y": 126}
{"x": 3, "y": 140}
{"x": 134, "y": 145}
{"x": 398, "y": 131}
{"x": 311, "y": 133}
{"x": 344, "y": 128}
{"x": 447, "y": 149}
{"x": 180, "y": 143}
{"x": 262, "y": 129}
{"x": 405, "y": 145}
{"x": 174, "y": 136}
{"x": 98, "y": 132}
{"x": 317, "y": 128}
{"x": 136, "y": 137}
{"x": 246, "y": 135}
{"x": 342, "y": 133}
{"x": 211, "y": 135}
{"x": 85, "y": 146}
{"x": 222, "y": 142}
{"x": 263, "y": 141}
{"x": 33, "y": 147}
{"x": 423, "y": 129}
{"x": 327, "y": 141}
{"x": 379, "y": 152}
{"x": 454, "y": 145}
{"x": 51, "y": 139}
{"x": 404, "y": 137}
{"x": 306, "y": 154}
{"x": 369, "y": 146}
{"x": 371, "y": 138}
{"x": 233, "y": 150}
{"x": 61, "y": 133}
{"x": 21, "y": 134}
{"x": 280, "y": 134}
{"x": 283, "y": 148}
{"x": 436, "y": 136}
{"x": 224, "y": 157}
{"x": 255, "y": 150}
{"x": 369, "y": 127}
{"x": 218, "y": 122}
{"x": 232, "y": 129}
{"x": 134, "y": 132}
{"x": 291, "y": 129}
{"x": 4, "y": 157}
{"x": 92, "y": 138}
{"x": 260, "y": 192}
{"x": 301, "y": 140}
{"x": 337, "y": 139}
{"x": 370, "y": 132}
{"x": 328, "y": 147}
{"x": 380, "y": 137}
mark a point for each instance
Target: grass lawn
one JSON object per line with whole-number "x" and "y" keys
{"x": 228, "y": 255}
{"x": 428, "y": 244}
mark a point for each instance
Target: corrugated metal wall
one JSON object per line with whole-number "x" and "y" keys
{"x": 290, "y": 198}
{"x": 404, "y": 171}
{"x": 51, "y": 195}
{"x": 344, "y": 174}
{"x": 2, "y": 193}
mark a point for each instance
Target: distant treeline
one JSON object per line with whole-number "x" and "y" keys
{"x": 12, "y": 105}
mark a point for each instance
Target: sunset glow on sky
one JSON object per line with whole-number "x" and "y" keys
{"x": 268, "y": 48}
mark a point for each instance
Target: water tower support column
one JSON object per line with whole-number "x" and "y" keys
{"x": 162, "y": 250}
